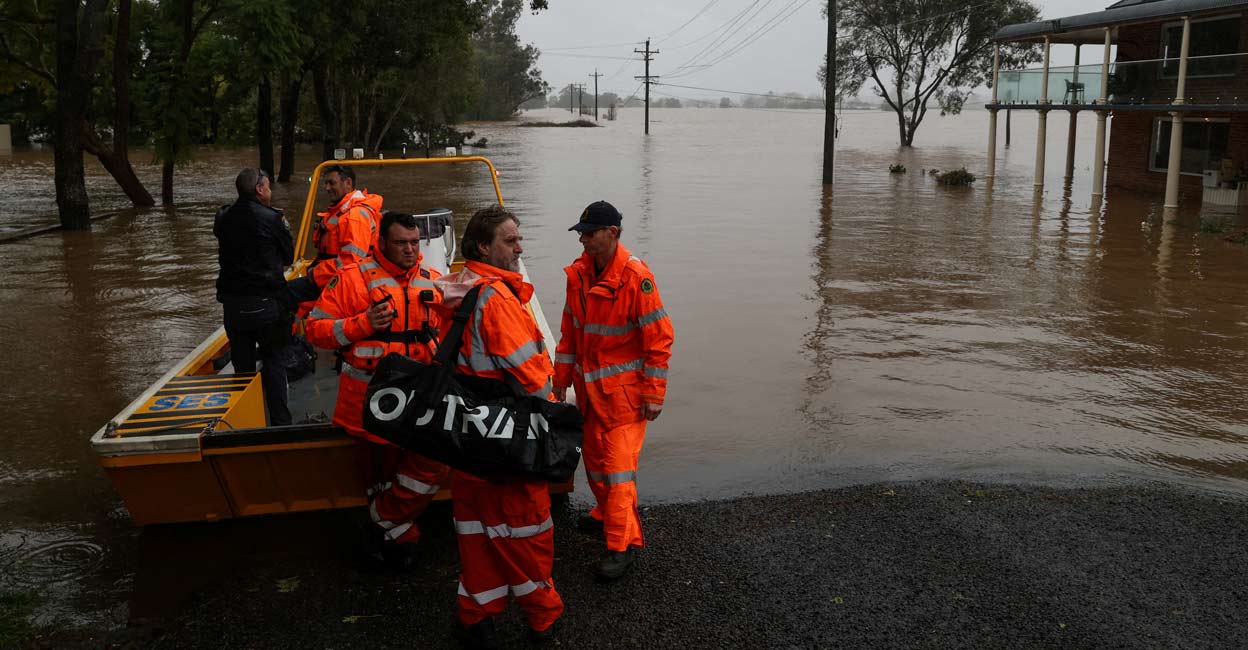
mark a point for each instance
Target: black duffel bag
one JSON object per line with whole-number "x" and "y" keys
{"x": 474, "y": 424}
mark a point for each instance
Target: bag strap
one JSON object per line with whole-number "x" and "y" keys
{"x": 454, "y": 337}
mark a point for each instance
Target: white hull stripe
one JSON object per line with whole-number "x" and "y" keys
{"x": 611, "y": 371}
{"x": 613, "y": 478}
{"x": 502, "y": 530}
{"x": 419, "y": 487}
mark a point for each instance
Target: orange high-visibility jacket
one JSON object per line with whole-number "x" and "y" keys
{"x": 339, "y": 321}
{"x": 615, "y": 338}
{"x": 501, "y": 337}
{"x": 345, "y": 234}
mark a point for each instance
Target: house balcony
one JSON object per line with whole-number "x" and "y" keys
{"x": 1217, "y": 83}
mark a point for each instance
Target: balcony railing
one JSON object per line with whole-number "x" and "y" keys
{"x": 1218, "y": 80}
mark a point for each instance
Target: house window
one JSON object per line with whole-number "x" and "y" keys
{"x": 1209, "y": 38}
{"x": 1204, "y": 145}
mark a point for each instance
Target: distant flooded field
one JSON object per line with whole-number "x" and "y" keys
{"x": 889, "y": 329}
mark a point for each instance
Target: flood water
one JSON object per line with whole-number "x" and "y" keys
{"x": 892, "y": 329}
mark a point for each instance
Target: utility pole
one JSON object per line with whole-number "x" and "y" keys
{"x": 580, "y": 99}
{"x": 646, "y": 79}
{"x": 595, "y": 76}
{"x": 829, "y": 98}
{"x": 571, "y": 96}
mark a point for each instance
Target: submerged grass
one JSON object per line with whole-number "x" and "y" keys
{"x": 572, "y": 123}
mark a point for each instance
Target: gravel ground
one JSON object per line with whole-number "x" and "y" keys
{"x": 910, "y": 565}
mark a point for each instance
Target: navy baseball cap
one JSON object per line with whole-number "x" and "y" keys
{"x": 598, "y": 215}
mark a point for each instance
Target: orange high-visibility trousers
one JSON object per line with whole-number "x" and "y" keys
{"x": 401, "y": 485}
{"x": 610, "y": 457}
{"x": 506, "y": 548}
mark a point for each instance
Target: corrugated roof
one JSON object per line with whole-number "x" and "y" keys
{"x": 1121, "y": 13}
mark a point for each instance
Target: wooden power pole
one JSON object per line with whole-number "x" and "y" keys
{"x": 595, "y": 76}
{"x": 829, "y": 95}
{"x": 646, "y": 79}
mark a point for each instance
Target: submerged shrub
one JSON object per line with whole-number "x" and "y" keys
{"x": 956, "y": 177}
{"x": 897, "y": 169}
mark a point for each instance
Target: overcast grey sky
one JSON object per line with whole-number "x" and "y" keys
{"x": 777, "y": 45}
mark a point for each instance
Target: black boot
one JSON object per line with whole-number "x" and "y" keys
{"x": 587, "y": 524}
{"x": 616, "y": 563}
{"x": 543, "y": 638}
{"x": 479, "y": 636}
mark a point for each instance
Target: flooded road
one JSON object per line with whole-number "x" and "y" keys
{"x": 894, "y": 329}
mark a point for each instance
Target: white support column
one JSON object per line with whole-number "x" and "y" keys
{"x": 1098, "y": 162}
{"x": 1074, "y": 122}
{"x": 992, "y": 114}
{"x": 1176, "y": 123}
{"x": 1042, "y": 117}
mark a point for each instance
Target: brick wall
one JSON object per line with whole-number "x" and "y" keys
{"x": 1130, "y": 145}
{"x": 1141, "y": 84}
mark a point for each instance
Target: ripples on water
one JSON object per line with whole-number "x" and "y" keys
{"x": 894, "y": 329}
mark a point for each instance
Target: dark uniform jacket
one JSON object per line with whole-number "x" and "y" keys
{"x": 254, "y": 243}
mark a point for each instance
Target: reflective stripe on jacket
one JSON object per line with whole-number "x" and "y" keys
{"x": 339, "y": 319}
{"x": 615, "y": 337}
{"x": 345, "y": 234}
{"x": 501, "y": 337}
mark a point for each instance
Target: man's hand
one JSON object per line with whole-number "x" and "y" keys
{"x": 651, "y": 411}
{"x": 380, "y": 316}
{"x": 561, "y": 394}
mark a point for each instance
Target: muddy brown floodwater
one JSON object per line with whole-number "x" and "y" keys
{"x": 891, "y": 330}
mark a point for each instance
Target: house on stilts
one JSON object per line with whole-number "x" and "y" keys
{"x": 1177, "y": 91}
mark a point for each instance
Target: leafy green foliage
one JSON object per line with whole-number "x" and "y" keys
{"x": 911, "y": 52}
{"x": 956, "y": 177}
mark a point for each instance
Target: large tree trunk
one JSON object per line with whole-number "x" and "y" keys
{"x": 290, "y": 116}
{"x": 78, "y": 48}
{"x": 117, "y": 161}
{"x": 118, "y": 166}
{"x": 264, "y": 123}
{"x": 325, "y": 106}
{"x": 188, "y": 37}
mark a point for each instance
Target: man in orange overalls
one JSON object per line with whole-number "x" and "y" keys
{"x": 505, "y": 532}
{"x": 615, "y": 342}
{"x": 344, "y": 234}
{"x": 367, "y": 311}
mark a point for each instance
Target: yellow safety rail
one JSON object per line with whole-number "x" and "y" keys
{"x": 305, "y": 224}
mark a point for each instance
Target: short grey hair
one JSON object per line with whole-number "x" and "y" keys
{"x": 247, "y": 181}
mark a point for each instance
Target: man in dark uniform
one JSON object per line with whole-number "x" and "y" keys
{"x": 254, "y": 244}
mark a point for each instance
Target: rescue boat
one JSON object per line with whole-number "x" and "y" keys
{"x": 196, "y": 445}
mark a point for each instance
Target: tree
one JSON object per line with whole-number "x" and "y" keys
{"x": 506, "y": 69}
{"x": 914, "y": 51}
{"x": 725, "y": 102}
{"x": 49, "y": 59}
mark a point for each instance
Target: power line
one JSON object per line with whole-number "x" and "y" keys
{"x": 713, "y": 31}
{"x": 770, "y": 24}
{"x": 590, "y": 47}
{"x": 592, "y": 56}
{"x": 729, "y": 30}
{"x": 687, "y": 22}
{"x": 738, "y": 92}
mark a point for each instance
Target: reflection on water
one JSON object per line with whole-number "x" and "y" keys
{"x": 889, "y": 328}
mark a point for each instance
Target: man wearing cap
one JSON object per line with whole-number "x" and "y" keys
{"x": 615, "y": 342}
